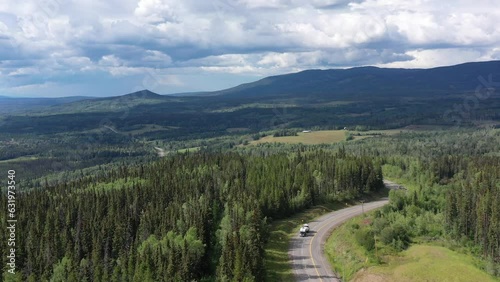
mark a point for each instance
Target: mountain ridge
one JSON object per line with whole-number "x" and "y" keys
{"x": 367, "y": 83}
{"x": 462, "y": 77}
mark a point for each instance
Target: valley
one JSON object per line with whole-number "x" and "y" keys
{"x": 213, "y": 186}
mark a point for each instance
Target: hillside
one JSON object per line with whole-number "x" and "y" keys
{"x": 363, "y": 82}
{"x": 10, "y": 105}
{"x": 110, "y": 104}
{"x": 132, "y": 125}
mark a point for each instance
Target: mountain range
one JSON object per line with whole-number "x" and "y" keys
{"x": 367, "y": 96}
{"x": 362, "y": 81}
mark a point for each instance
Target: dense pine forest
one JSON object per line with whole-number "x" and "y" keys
{"x": 201, "y": 216}
{"x": 205, "y": 216}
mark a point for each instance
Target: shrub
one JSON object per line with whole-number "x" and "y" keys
{"x": 379, "y": 224}
{"x": 397, "y": 199}
{"x": 386, "y": 235}
{"x": 396, "y": 236}
{"x": 365, "y": 238}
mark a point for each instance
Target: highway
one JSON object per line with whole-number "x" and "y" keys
{"x": 306, "y": 253}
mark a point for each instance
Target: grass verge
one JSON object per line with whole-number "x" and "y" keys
{"x": 276, "y": 261}
{"x": 426, "y": 263}
{"x": 345, "y": 255}
{"x": 420, "y": 262}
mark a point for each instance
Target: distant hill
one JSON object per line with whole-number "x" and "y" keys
{"x": 10, "y": 105}
{"x": 110, "y": 104}
{"x": 142, "y": 94}
{"x": 364, "y": 82}
{"x": 369, "y": 97}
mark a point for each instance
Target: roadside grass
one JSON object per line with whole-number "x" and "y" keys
{"x": 396, "y": 174}
{"x": 426, "y": 263}
{"x": 424, "y": 260}
{"x": 421, "y": 262}
{"x": 343, "y": 252}
{"x": 276, "y": 261}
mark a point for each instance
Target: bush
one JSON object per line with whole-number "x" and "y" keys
{"x": 397, "y": 199}
{"x": 387, "y": 235}
{"x": 365, "y": 238}
{"x": 396, "y": 236}
{"x": 379, "y": 224}
{"x": 348, "y": 136}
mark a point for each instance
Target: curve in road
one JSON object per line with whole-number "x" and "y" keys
{"x": 306, "y": 253}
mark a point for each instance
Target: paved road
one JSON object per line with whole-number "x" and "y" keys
{"x": 306, "y": 253}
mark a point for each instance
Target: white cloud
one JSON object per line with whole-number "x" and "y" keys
{"x": 157, "y": 56}
{"x": 32, "y": 88}
{"x": 258, "y": 37}
{"x": 111, "y": 61}
{"x": 437, "y": 57}
{"x": 24, "y": 71}
{"x": 155, "y": 11}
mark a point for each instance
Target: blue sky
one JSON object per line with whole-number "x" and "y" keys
{"x": 53, "y": 48}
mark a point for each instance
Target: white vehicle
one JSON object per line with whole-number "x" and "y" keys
{"x": 303, "y": 232}
{"x": 306, "y": 227}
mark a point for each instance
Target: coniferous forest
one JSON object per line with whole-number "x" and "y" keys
{"x": 187, "y": 217}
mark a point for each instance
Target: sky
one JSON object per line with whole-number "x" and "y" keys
{"x": 56, "y": 48}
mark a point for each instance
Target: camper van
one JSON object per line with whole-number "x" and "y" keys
{"x": 304, "y": 230}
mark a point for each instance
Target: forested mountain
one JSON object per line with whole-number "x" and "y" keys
{"x": 117, "y": 128}
{"x": 370, "y": 82}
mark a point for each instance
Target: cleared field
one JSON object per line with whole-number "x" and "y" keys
{"x": 426, "y": 263}
{"x": 311, "y": 138}
{"x": 322, "y": 137}
{"x": 192, "y": 150}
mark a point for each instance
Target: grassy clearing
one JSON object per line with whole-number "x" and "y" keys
{"x": 323, "y": 137}
{"x": 379, "y": 132}
{"x": 426, "y": 263}
{"x": 421, "y": 262}
{"x": 277, "y": 262}
{"x": 20, "y": 159}
{"x": 192, "y": 150}
{"x": 311, "y": 138}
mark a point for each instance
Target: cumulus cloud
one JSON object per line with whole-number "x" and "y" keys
{"x": 53, "y": 41}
